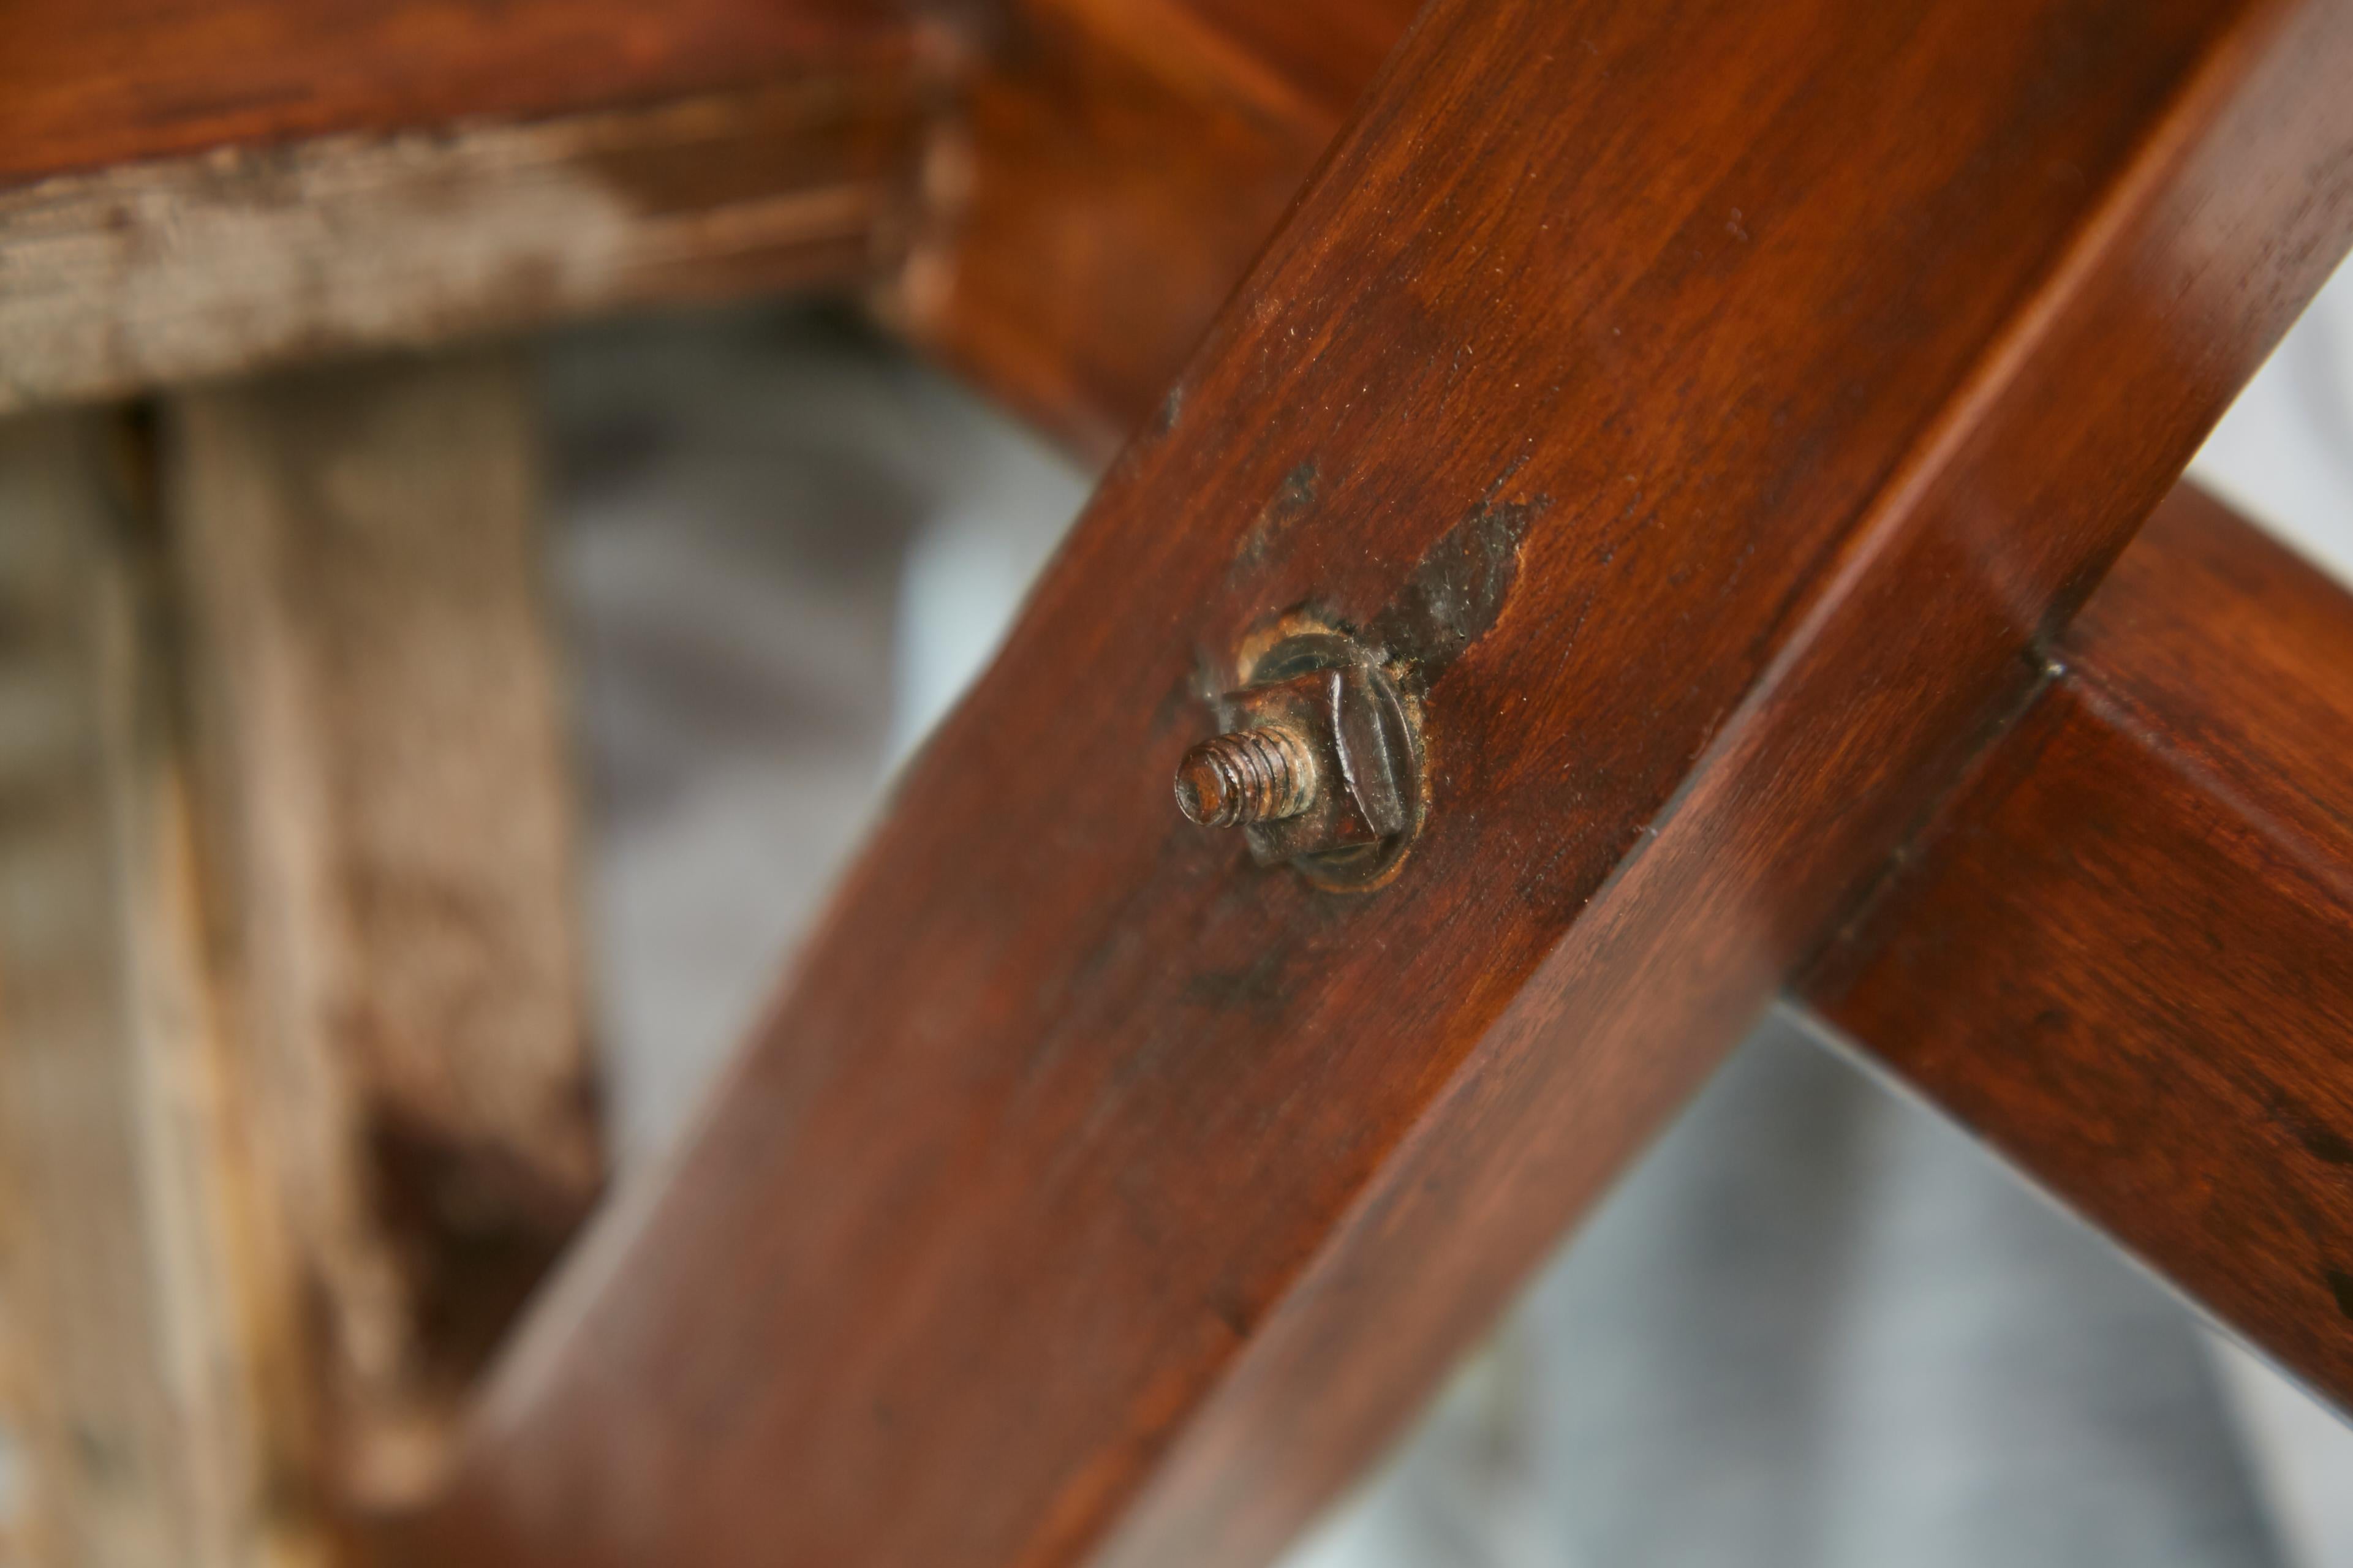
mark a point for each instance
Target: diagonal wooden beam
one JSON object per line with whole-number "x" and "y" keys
{"x": 2122, "y": 954}
{"x": 1707, "y": 408}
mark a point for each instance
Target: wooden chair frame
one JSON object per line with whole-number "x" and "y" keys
{"x": 1733, "y": 425}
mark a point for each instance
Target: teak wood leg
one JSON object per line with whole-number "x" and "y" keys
{"x": 1711, "y": 412}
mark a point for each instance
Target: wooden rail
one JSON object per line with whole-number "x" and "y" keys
{"x": 92, "y": 84}
{"x": 2123, "y": 953}
{"x": 193, "y": 190}
{"x": 154, "y": 274}
{"x": 1054, "y": 194}
{"x": 1119, "y": 166}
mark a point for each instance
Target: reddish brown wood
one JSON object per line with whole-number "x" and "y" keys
{"x": 1122, "y": 164}
{"x": 194, "y": 190}
{"x": 86, "y": 83}
{"x": 2124, "y": 953}
{"x": 1707, "y": 406}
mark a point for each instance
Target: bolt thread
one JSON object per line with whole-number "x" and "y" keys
{"x": 1251, "y": 775}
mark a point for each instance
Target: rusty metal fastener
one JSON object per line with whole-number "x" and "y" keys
{"x": 1319, "y": 763}
{"x": 1254, "y": 775}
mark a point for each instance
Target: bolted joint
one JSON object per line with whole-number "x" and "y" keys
{"x": 1319, "y": 762}
{"x": 1253, "y": 775}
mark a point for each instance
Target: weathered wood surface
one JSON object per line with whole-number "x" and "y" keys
{"x": 1712, "y": 407}
{"x": 388, "y": 803}
{"x": 1055, "y": 194}
{"x": 2124, "y": 953}
{"x": 242, "y": 258}
{"x": 133, "y": 1372}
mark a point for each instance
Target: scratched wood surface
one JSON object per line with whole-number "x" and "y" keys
{"x": 2124, "y": 953}
{"x": 1711, "y": 406}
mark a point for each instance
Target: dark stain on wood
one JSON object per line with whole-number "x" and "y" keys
{"x": 474, "y": 1229}
{"x": 1257, "y": 986}
{"x": 1457, "y": 590}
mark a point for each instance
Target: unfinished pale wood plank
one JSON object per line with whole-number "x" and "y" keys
{"x": 85, "y": 84}
{"x": 387, "y": 791}
{"x": 223, "y": 262}
{"x": 135, "y": 1361}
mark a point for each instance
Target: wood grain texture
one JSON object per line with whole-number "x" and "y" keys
{"x": 1055, "y": 194}
{"x": 1114, "y": 168}
{"x": 1792, "y": 367}
{"x": 85, "y": 84}
{"x": 2124, "y": 953}
{"x": 389, "y": 796}
{"x": 133, "y": 1371}
{"x": 238, "y": 259}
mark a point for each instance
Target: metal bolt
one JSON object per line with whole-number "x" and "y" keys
{"x": 1251, "y": 775}
{"x": 1318, "y": 762}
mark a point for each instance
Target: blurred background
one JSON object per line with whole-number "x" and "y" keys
{"x": 1817, "y": 1327}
